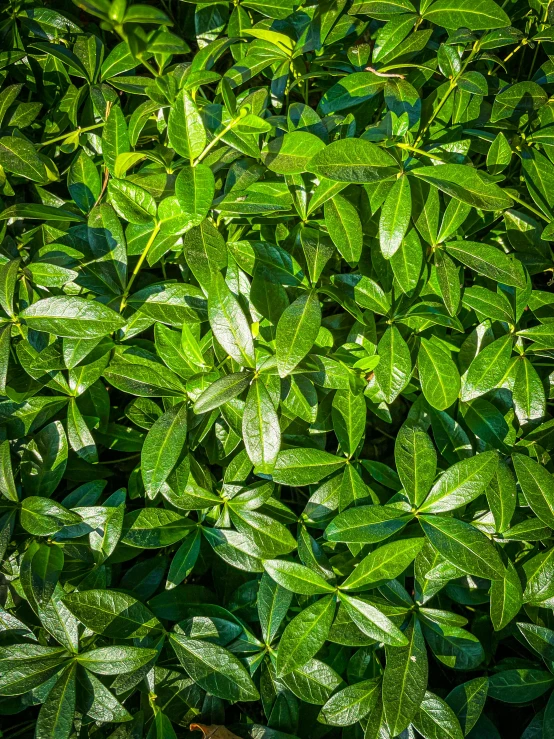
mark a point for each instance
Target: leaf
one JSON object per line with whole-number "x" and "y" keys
{"x": 372, "y": 622}
{"x": 229, "y": 323}
{"x": 416, "y": 462}
{"x": 305, "y": 635}
{"x": 467, "y": 701}
{"x": 304, "y": 466}
{"x": 26, "y": 666}
{"x": 296, "y": 577}
{"x": 349, "y": 420}
{"x": 260, "y": 429}
{"x": 461, "y": 483}
{"x": 367, "y": 524}
{"x": 481, "y": 15}
{"x": 538, "y": 487}
{"x": 487, "y": 369}
{"x": 353, "y": 160}
{"x": 56, "y": 715}
{"x": 222, "y": 391}
{"x": 439, "y": 376}
{"x": 405, "y": 679}
{"x": 489, "y": 262}
{"x": 72, "y": 317}
{"x": 162, "y": 447}
{"x": 395, "y": 367}
{"x": 435, "y": 719}
{"x": 351, "y": 704}
{"x": 344, "y": 227}
{"x": 297, "y": 331}
{"x": 465, "y": 183}
{"x": 113, "y": 614}
{"x": 291, "y": 153}
{"x": 395, "y": 217}
{"x": 214, "y": 668}
{"x": 463, "y": 546}
{"x": 195, "y": 189}
{"x": 185, "y": 128}
{"x": 386, "y": 562}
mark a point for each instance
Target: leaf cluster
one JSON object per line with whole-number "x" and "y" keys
{"x": 277, "y": 369}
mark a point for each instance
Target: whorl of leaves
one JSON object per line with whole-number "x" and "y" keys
{"x": 276, "y": 369}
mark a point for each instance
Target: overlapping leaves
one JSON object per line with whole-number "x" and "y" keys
{"x": 276, "y": 369}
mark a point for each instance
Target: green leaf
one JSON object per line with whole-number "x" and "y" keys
{"x": 487, "y": 369}
{"x": 344, "y": 227}
{"x": 214, "y": 669}
{"x": 353, "y": 160}
{"x": 464, "y": 546}
{"x": 297, "y": 331}
{"x": 367, "y": 524}
{"x": 260, "y": 429}
{"x": 185, "y": 128}
{"x": 304, "y": 466}
{"x": 162, "y": 447}
{"x": 395, "y": 217}
{"x": 386, "y": 562}
{"x": 56, "y": 715}
{"x": 372, "y": 622}
{"x": 416, "y": 462}
{"x": 195, "y": 188}
{"x": 26, "y": 666}
{"x": 72, "y": 317}
{"x": 291, "y": 153}
{"x": 351, "y": 704}
{"x": 537, "y": 485}
{"x": 296, "y": 577}
{"x": 489, "y": 262}
{"x": 467, "y": 701}
{"x": 467, "y": 184}
{"x": 439, "y": 376}
{"x": 395, "y": 367}
{"x": 436, "y": 720}
{"x": 405, "y": 679}
{"x": 112, "y": 614}
{"x": 476, "y": 15}
{"x": 349, "y": 420}
{"x": 305, "y": 635}
{"x": 461, "y": 483}
{"x": 229, "y": 323}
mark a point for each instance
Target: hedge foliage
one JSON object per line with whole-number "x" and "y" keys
{"x": 276, "y": 369}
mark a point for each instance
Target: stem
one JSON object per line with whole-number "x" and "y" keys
{"x": 139, "y": 264}
{"x": 451, "y": 88}
{"x": 150, "y": 68}
{"x": 529, "y": 207}
{"x": 71, "y": 133}
{"x": 219, "y": 136}
{"x": 407, "y": 147}
{"x": 541, "y": 27}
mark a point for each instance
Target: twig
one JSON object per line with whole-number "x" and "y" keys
{"x": 384, "y": 74}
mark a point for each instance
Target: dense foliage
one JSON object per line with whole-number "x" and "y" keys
{"x": 277, "y": 369}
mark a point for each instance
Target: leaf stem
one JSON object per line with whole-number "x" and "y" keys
{"x": 451, "y": 88}
{"x": 220, "y": 135}
{"x": 422, "y": 152}
{"x": 529, "y": 207}
{"x": 71, "y": 133}
{"x": 139, "y": 264}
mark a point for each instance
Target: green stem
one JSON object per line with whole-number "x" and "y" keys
{"x": 415, "y": 150}
{"x": 219, "y": 136}
{"x": 451, "y": 88}
{"x": 71, "y": 133}
{"x": 150, "y": 68}
{"x": 139, "y": 264}
{"x": 529, "y": 207}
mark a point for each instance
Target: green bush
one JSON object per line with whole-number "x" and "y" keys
{"x": 277, "y": 369}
